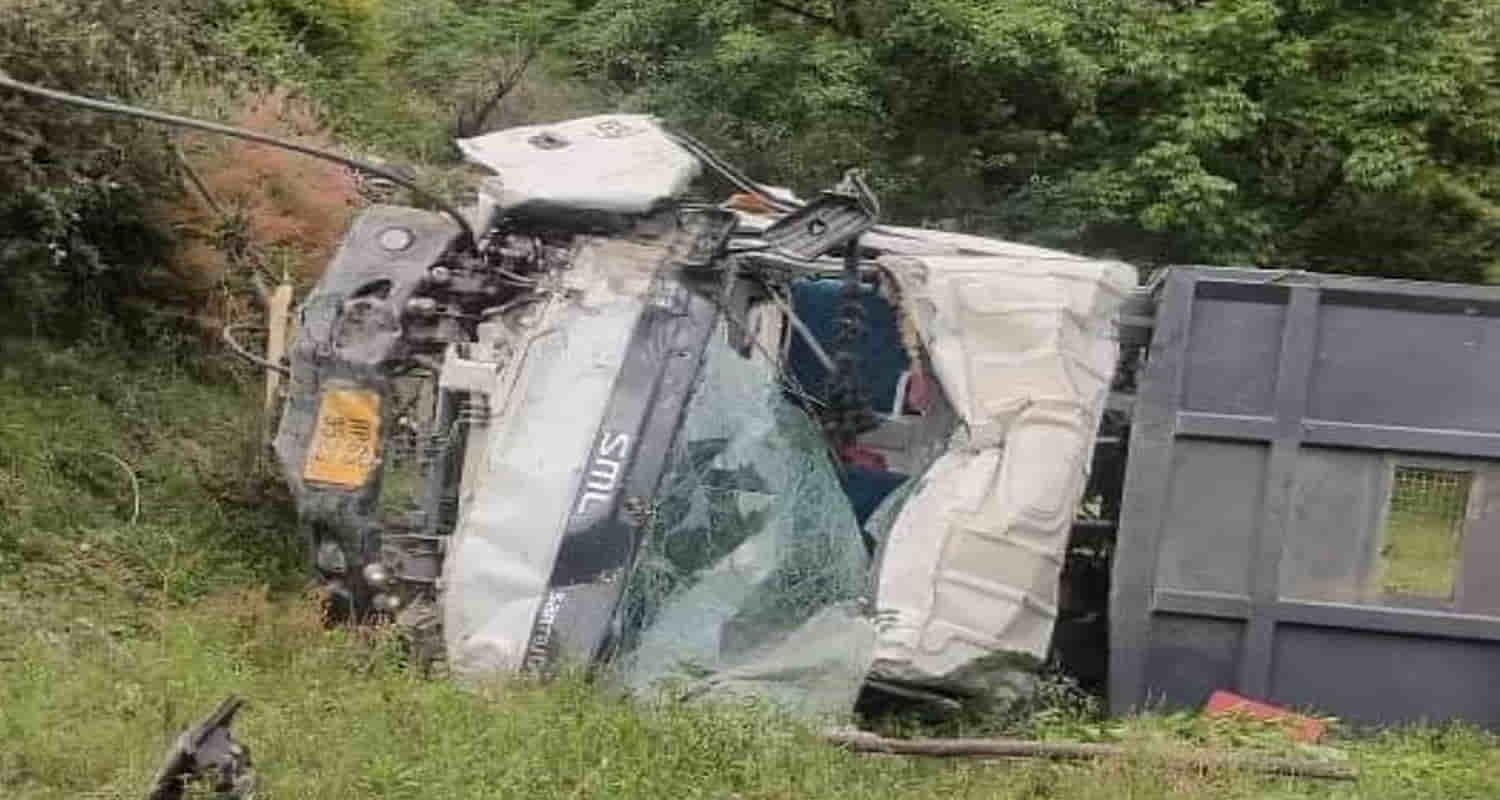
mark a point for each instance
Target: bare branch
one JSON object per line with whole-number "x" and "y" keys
{"x": 804, "y": 13}
{"x": 197, "y": 182}
{"x": 471, "y": 123}
{"x": 863, "y": 742}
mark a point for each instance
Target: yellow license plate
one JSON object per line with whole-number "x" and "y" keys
{"x": 346, "y": 439}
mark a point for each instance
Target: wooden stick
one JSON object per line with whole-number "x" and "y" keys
{"x": 278, "y": 317}
{"x": 864, "y": 742}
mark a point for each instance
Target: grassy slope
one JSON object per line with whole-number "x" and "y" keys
{"x": 115, "y": 635}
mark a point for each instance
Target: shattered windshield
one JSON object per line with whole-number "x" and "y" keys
{"x": 753, "y": 575}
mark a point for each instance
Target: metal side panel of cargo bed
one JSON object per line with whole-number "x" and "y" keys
{"x": 1312, "y": 505}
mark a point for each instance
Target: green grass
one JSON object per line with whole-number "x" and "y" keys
{"x": 77, "y": 422}
{"x": 114, "y": 636}
{"x": 1420, "y": 556}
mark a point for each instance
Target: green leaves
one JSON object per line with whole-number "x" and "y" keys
{"x": 1383, "y": 160}
{"x": 76, "y": 230}
{"x": 1208, "y": 132}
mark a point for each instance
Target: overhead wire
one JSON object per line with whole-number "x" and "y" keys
{"x": 471, "y": 242}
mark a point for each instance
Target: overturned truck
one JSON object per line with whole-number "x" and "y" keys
{"x": 764, "y": 447}
{"x": 772, "y": 447}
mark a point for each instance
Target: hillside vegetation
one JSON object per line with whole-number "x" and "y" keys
{"x": 1333, "y": 135}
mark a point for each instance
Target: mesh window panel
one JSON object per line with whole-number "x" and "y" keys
{"x": 1424, "y": 523}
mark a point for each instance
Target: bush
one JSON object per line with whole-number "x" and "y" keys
{"x": 77, "y": 189}
{"x": 261, "y": 210}
{"x": 403, "y": 77}
{"x": 93, "y": 208}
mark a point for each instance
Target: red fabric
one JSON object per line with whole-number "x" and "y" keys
{"x": 749, "y": 203}
{"x": 1298, "y": 726}
{"x": 918, "y": 391}
{"x": 860, "y": 456}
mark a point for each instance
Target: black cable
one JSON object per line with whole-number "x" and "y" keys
{"x": 848, "y": 414}
{"x": 728, "y": 171}
{"x": 109, "y": 107}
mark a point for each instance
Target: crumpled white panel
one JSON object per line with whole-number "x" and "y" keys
{"x": 618, "y": 163}
{"x": 545, "y": 406}
{"x": 515, "y": 509}
{"x": 1023, "y": 342}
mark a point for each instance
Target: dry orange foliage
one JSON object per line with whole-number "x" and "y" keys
{"x": 287, "y": 211}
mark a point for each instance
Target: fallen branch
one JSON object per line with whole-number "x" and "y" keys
{"x": 863, "y": 742}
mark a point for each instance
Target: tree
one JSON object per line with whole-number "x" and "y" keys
{"x": 1326, "y": 134}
